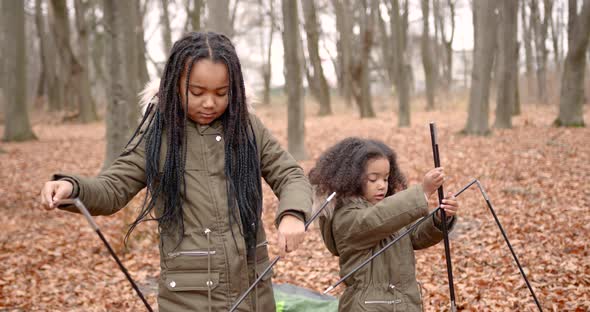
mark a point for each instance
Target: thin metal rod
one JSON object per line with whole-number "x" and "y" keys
{"x": 441, "y": 196}
{"x": 317, "y": 213}
{"x": 485, "y": 196}
{"x": 276, "y": 259}
{"x": 78, "y": 203}
{"x": 243, "y": 296}
{"x": 408, "y": 230}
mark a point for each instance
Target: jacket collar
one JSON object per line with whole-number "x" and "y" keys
{"x": 213, "y": 128}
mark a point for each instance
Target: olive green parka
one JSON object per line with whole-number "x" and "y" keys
{"x": 210, "y": 267}
{"x": 357, "y": 229}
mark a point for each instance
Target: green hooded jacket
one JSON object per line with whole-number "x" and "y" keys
{"x": 209, "y": 268}
{"x": 358, "y": 229}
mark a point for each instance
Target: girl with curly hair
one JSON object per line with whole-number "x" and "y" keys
{"x": 374, "y": 204}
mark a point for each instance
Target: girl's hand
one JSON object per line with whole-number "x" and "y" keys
{"x": 291, "y": 233}
{"x": 433, "y": 179}
{"x": 450, "y": 205}
{"x": 53, "y": 191}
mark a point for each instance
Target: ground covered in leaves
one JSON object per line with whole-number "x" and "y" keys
{"x": 535, "y": 175}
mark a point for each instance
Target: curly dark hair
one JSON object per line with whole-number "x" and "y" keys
{"x": 341, "y": 168}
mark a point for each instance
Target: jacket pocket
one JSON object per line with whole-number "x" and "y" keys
{"x": 189, "y": 259}
{"x": 378, "y": 298}
{"x": 191, "y": 281}
{"x": 383, "y": 301}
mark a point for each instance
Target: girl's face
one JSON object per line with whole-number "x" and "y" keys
{"x": 377, "y": 177}
{"x": 208, "y": 87}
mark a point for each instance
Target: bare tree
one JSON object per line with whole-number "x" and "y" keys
{"x": 121, "y": 114}
{"x": 165, "y": 27}
{"x": 194, "y": 13}
{"x": 427, "y": 61}
{"x": 508, "y": 64}
{"x": 344, "y": 25}
{"x": 266, "y": 47}
{"x": 14, "y": 72}
{"x": 398, "y": 25}
{"x": 86, "y": 102}
{"x": 47, "y": 50}
{"x": 293, "y": 80}
{"x": 556, "y": 23}
{"x": 219, "y": 19}
{"x": 98, "y": 52}
{"x": 143, "y": 75}
{"x": 484, "y": 25}
{"x": 572, "y": 85}
{"x": 440, "y": 26}
{"x": 540, "y": 27}
{"x": 312, "y": 31}
{"x": 527, "y": 39}
{"x": 361, "y": 84}
{"x": 69, "y": 67}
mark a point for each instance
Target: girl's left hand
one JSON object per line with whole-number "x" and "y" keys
{"x": 450, "y": 205}
{"x": 291, "y": 234}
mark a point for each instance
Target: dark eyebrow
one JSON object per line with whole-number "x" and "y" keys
{"x": 201, "y": 87}
{"x": 376, "y": 173}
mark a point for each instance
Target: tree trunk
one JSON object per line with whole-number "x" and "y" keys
{"x": 528, "y": 48}
{"x": 484, "y": 25}
{"x": 86, "y": 102}
{"x": 293, "y": 80}
{"x": 508, "y": 64}
{"x": 447, "y": 54}
{"x": 17, "y": 126}
{"x": 571, "y": 102}
{"x": 121, "y": 114}
{"x": 71, "y": 69}
{"x": 449, "y": 44}
{"x": 540, "y": 28}
{"x": 58, "y": 23}
{"x": 386, "y": 49}
{"x": 98, "y": 55}
{"x": 427, "y": 61}
{"x": 556, "y": 32}
{"x": 143, "y": 75}
{"x": 401, "y": 68}
{"x": 360, "y": 68}
{"x": 266, "y": 49}
{"x": 344, "y": 24}
{"x": 47, "y": 51}
{"x": 165, "y": 27}
{"x": 313, "y": 38}
{"x": 195, "y": 15}
{"x": 218, "y": 19}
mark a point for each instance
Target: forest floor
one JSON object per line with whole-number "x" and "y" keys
{"x": 536, "y": 176}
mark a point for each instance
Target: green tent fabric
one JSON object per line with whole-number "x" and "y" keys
{"x": 291, "y": 298}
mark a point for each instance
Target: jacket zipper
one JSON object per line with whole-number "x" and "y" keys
{"x": 194, "y": 253}
{"x": 383, "y": 301}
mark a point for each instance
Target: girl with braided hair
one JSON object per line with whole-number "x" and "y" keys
{"x": 201, "y": 154}
{"x": 373, "y": 205}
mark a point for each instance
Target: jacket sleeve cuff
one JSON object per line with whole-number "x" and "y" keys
{"x": 297, "y": 214}
{"x": 438, "y": 222}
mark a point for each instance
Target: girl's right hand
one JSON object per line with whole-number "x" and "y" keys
{"x": 433, "y": 179}
{"x": 53, "y": 191}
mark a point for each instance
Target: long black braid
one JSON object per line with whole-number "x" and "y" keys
{"x": 242, "y": 167}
